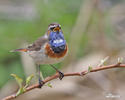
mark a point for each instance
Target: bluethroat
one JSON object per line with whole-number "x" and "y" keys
{"x": 48, "y": 49}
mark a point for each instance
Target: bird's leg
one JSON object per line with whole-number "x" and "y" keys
{"x": 61, "y": 75}
{"x": 39, "y": 78}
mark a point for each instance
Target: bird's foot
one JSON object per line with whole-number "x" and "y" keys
{"x": 41, "y": 83}
{"x": 61, "y": 75}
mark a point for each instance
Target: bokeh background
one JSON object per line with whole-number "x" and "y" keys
{"x": 94, "y": 29}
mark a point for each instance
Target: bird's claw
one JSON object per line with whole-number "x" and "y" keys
{"x": 61, "y": 75}
{"x": 41, "y": 83}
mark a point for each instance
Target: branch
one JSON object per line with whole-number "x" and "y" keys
{"x": 82, "y": 73}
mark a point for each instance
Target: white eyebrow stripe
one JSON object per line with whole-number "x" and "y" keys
{"x": 54, "y": 25}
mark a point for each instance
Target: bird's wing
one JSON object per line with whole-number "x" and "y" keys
{"x": 36, "y": 46}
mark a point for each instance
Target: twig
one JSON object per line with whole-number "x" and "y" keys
{"x": 84, "y": 72}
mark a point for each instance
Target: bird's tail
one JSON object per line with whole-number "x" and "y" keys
{"x": 19, "y": 50}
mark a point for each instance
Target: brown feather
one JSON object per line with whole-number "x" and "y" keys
{"x": 20, "y": 50}
{"x": 36, "y": 46}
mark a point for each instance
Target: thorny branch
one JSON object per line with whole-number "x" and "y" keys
{"x": 82, "y": 73}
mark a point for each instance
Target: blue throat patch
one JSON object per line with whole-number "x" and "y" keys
{"x": 57, "y": 41}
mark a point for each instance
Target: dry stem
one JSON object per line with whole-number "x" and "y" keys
{"x": 82, "y": 73}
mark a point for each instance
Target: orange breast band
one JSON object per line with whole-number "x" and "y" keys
{"x": 51, "y": 54}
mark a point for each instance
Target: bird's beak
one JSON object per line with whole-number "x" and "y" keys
{"x": 56, "y": 29}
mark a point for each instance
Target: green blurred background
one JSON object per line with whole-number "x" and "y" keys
{"x": 88, "y": 26}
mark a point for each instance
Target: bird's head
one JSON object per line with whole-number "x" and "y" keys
{"x": 56, "y": 38}
{"x": 54, "y": 27}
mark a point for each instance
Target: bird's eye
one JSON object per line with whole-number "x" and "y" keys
{"x": 51, "y": 28}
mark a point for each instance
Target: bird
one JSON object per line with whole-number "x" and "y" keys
{"x": 51, "y": 48}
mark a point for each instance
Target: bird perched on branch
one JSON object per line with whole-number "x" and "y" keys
{"x": 48, "y": 49}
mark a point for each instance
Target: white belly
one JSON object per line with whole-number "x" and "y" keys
{"x": 41, "y": 58}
